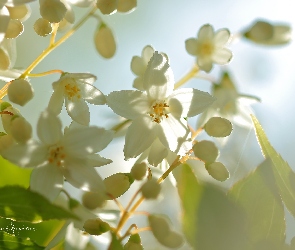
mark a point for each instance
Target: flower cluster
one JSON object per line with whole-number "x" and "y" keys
{"x": 159, "y": 132}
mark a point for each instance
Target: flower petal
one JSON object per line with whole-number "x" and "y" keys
{"x": 81, "y": 142}
{"x": 173, "y": 133}
{"x": 83, "y": 177}
{"x": 191, "y": 46}
{"x": 49, "y": 128}
{"x": 158, "y": 78}
{"x": 30, "y": 154}
{"x": 56, "y": 100}
{"x": 96, "y": 160}
{"x": 138, "y": 66}
{"x": 157, "y": 153}
{"x": 206, "y": 32}
{"x": 47, "y": 180}
{"x": 147, "y": 54}
{"x": 140, "y": 135}
{"x": 222, "y": 56}
{"x": 221, "y": 37}
{"x": 137, "y": 83}
{"x": 189, "y": 102}
{"x": 205, "y": 63}
{"x": 128, "y": 103}
{"x": 91, "y": 94}
{"x": 78, "y": 111}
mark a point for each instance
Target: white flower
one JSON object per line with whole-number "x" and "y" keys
{"x": 209, "y": 47}
{"x": 158, "y": 112}
{"x": 229, "y": 104}
{"x": 75, "y": 88}
{"x": 71, "y": 155}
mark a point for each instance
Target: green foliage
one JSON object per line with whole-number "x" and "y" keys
{"x": 11, "y": 242}
{"x": 210, "y": 219}
{"x": 283, "y": 174}
{"x": 264, "y": 208}
{"x": 115, "y": 244}
{"x": 13, "y": 175}
{"x": 21, "y": 204}
{"x": 41, "y": 233}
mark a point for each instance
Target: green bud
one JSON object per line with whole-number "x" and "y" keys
{"x": 218, "y": 171}
{"x": 162, "y": 232}
{"x": 126, "y": 5}
{"x": 73, "y": 203}
{"x": 132, "y": 246}
{"x": 159, "y": 225}
{"x": 96, "y": 226}
{"x": 206, "y": 151}
{"x": 92, "y": 200}
{"x": 20, "y": 129}
{"x": 20, "y": 91}
{"x": 4, "y": 105}
{"x": 117, "y": 184}
{"x": 107, "y": 7}
{"x": 218, "y": 127}
{"x": 151, "y": 189}
{"x": 104, "y": 41}
{"x": 138, "y": 170}
{"x": 14, "y": 29}
{"x": 42, "y": 27}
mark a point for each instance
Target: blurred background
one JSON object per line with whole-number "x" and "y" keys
{"x": 265, "y": 72}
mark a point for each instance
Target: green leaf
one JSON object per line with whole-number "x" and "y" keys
{"x": 115, "y": 244}
{"x": 21, "y": 204}
{"x": 210, "y": 219}
{"x": 13, "y": 175}
{"x": 11, "y": 242}
{"x": 41, "y": 233}
{"x": 283, "y": 174}
{"x": 263, "y": 206}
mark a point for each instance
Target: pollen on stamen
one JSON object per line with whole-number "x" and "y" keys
{"x": 159, "y": 111}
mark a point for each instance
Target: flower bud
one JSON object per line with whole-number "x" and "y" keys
{"x": 42, "y": 27}
{"x": 20, "y": 91}
{"x": 159, "y": 225}
{"x": 265, "y": 33}
{"x": 14, "y": 29}
{"x": 117, "y": 184}
{"x": 20, "y": 129}
{"x": 96, "y": 226}
{"x": 126, "y": 5}
{"x": 134, "y": 243}
{"x": 138, "y": 171}
{"x": 218, "y": 171}
{"x": 5, "y": 141}
{"x": 218, "y": 127}
{"x": 206, "y": 151}
{"x": 173, "y": 240}
{"x": 52, "y": 10}
{"x": 20, "y": 12}
{"x": 132, "y": 246}
{"x": 107, "y": 7}
{"x": 4, "y": 59}
{"x": 162, "y": 232}
{"x": 151, "y": 189}
{"x": 104, "y": 41}
{"x": 92, "y": 200}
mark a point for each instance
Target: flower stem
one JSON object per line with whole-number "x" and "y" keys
{"x": 46, "y": 73}
{"x": 187, "y": 77}
{"x": 50, "y": 48}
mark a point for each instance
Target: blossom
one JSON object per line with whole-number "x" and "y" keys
{"x": 75, "y": 88}
{"x": 108, "y": 7}
{"x": 229, "y": 104}
{"x": 57, "y": 155}
{"x": 158, "y": 111}
{"x": 209, "y": 47}
{"x": 139, "y": 64}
